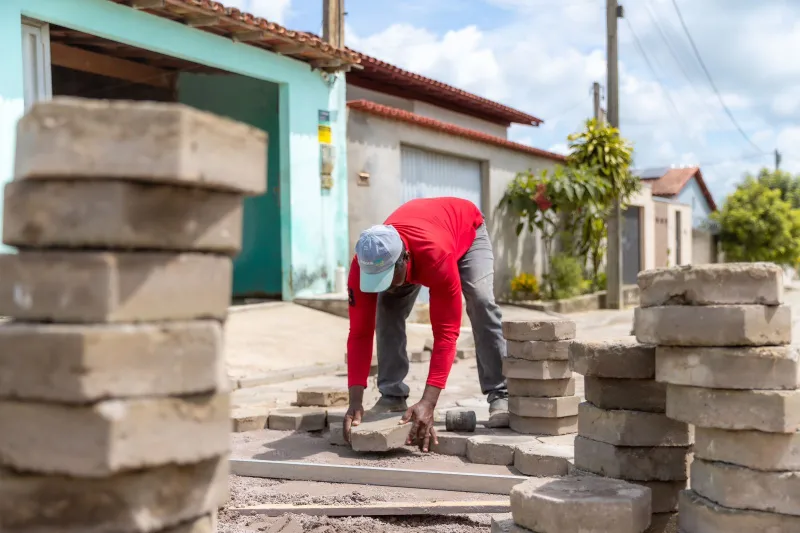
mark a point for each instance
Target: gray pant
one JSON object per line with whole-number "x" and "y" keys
{"x": 477, "y": 283}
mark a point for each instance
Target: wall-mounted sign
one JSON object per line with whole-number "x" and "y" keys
{"x": 324, "y": 127}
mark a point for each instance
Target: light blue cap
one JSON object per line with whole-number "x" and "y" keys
{"x": 378, "y": 249}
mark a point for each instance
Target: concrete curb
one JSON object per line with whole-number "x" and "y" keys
{"x": 288, "y": 375}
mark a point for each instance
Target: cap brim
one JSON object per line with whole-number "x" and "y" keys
{"x": 376, "y": 282}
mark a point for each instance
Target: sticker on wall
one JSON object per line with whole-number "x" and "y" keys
{"x": 324, "y": 128}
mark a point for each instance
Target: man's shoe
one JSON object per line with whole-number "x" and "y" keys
{"x": 498, "y": 413}
{"x": 390, "y": 404}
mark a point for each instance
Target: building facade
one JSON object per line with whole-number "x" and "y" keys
{"x": 199, "y": 53}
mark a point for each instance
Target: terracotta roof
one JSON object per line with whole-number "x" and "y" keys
{"x": 672, "y": 182}
{"x": 381, "y": 76}
{"x": 214, "y": 17}
{"x": 451, "y": 129}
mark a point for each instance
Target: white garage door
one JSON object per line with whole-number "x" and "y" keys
{"x": 428, "y": 174}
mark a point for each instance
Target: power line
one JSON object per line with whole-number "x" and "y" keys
{"x": 710, "y": 79}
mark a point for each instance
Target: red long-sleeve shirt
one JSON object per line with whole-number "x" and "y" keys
{"x": 437, "y": 232}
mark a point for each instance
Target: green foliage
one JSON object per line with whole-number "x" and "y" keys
{"x": 782, "y": 181}
{"x": 565, "y": 277}
{"x": 525, "y": 287}
{"x": 755, "y": 224}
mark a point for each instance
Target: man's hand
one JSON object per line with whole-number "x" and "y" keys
{"x": 421, "y": 415}
{"x": 355, "y": 412}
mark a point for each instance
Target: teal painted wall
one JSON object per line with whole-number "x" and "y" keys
{"x": 313, "y": 225}
{"x": 257, "y": 269}
{"x": 692, "y": 195}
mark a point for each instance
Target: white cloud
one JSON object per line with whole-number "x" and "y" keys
{"x": 273, "y": 10}
{"x": 544, "y": 60}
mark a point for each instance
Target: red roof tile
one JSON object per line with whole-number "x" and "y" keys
{"x": 381, "y": 76}
{"x": 675, "y": 179}
{"x": 310, "y": 48}
{"x": 451, "y": 129}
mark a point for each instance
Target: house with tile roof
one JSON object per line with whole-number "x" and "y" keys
{"x": 203, "y": 54}
{"x": 682, "y": 206}
{"x": 410, "y": 137}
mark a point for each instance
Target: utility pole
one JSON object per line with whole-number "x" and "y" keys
{"x": 333, "y": 22}
{"x": 614, "y": 298}
{"x": 596, "y": 100}
{"x": 777, "y": 160}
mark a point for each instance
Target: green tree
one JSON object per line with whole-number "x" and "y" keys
{"x": 782, "y": 181}
{"x": 756, "y": 224}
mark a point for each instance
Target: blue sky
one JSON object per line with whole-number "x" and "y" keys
{"x": 541, "y": 56}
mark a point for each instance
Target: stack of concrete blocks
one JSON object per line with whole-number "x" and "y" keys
{"x": 114, "y": 398}
{"x": 577, "y": 505}
{"x": 541, "y": 387}
{"x": 623, "y": 431}
{"x": 723, "y": 340}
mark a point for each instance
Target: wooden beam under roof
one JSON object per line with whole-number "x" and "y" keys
{"x": 147, "y": 4}
{"x": 113, "y": 67}
{"x": 201, "y": 21}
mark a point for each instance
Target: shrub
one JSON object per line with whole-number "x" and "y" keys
{"x": 565, "y": 278}
{"x": 525, "y": 287}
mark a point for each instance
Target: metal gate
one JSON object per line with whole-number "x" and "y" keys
{"x": 426, "y": 174}
{"x": 631, "y": 245}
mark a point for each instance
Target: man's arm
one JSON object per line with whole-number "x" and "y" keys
{"x": 445, "y": 320}
{"x": 362, "y": 307}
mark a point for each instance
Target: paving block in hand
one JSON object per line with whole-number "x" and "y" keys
{"x": 81, "y": 287}
{"x": 75, "y": 139}
{"x": 753, "y": 449}
{"x": 494, "y": 449}
{"x": 171, "y": 495}
{"x": 543, "y": 426}
{"x": 298, "y": 419}
{"x": 632, "y": 428}
{"x": 616, "y": 358}
{"x": 120, "y": 215}
{"x": 380, "y": 435}
{"x": 762, "y": 367}
{"x": 712, "y": 284}
{"x": 322, "y": 397}
{"x": 543, "y": 460}
{"x": 539, "y": 350}
{"x": 523, "y": 369}
{"x": 97, "y": 440}
{"x": 772, "y": 411}
{"x": 633, "y": 394}
{"x": 581, "y": 505}
{"x": 39, "y": 361}
{"x": 632, "y": 463}
{"x": 544, "y": 407}
{"x": 557, "y": 329}
{"x": 699, "y": 515}
{"x": 714, "y": 325}
{"x": 541, "y": 388}
{"x": 743, "y": 488}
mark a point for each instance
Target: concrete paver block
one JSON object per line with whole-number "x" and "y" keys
{"x": 543, "y": 460}
{"x": 380, "y": 435}
{"x": 114, "y": 287}
{"x": 632, "y": 428}
{"x": 634, "y": 394}
{"x": 322, "y": 397}
{"x": 253, "y": 418}
{"x": 754, "y": 449}
{"x": 522, "y": 369}
{"x": 699, "y": 515}
{"x": 165, "y": 143}
{"x": 494, "y": 449}
{"x": 539, "y": 350}
{"x": 97, "y": 439}
{"x": 543, "y": 426}
{"x": 120, "y": 215}
{"x": 760, "y": 410}
{"x": 663, "y": 523}
{"x": 336, "y": 416}
{"x": 422, "y": 356}
{"x": 507, "y": 526}
{"x": 714, "y": 325}
{"x": 298, "y": 419}
{"x": 743, "y": 488}
{"x": 581, "y": 505}
{"x": 544, "y": 407}
{"x": 556, "y": 329}
{"x": 541, "y": 388}
{"x": 455, "y": 443}
{"x": 465, "y": 353}
{"x": 767, "y": 367}
{"x": 171, "y": 495}
{"x": 712, "y": 284}
{"x": 632, "y": 463}
{"x": 616, "y": 358}
{"x": 665, "y": 494}
{"x": 87, "y": 363}
{"x": 336, "y": 435}
{"x": 205, "y": 524}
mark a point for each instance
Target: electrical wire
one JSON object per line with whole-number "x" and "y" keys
{"x": 711, "y": 80}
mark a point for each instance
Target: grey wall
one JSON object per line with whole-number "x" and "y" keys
{"x": 374, "y": 147}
